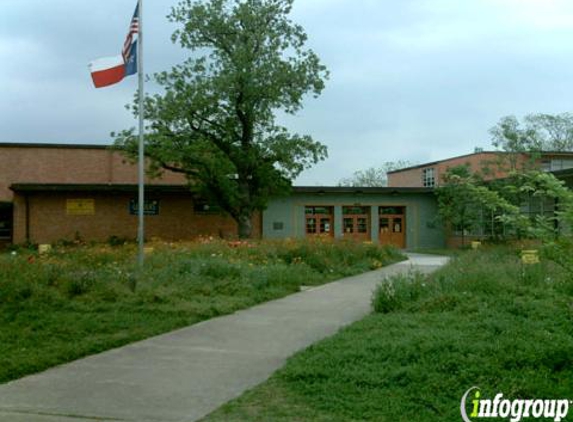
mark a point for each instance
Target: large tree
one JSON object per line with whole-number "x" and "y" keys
{"x": 374, "y": 176}
{"x": 215, "y": 121}
{"x": 538, "y": 132}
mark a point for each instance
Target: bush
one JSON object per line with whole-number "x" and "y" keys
{"x": 493, "y": 274}
{"x": 397, "y": 290}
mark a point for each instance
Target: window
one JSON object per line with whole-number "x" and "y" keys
{"x": 348, "y": 224}
{"x": 325, "y": 225}
{"x": 5, "y": 221}
{"x": 535, "y": 206}
{"x": 556, "y": 164}
{"x": 397, "y": 226}
{"x": 278, "y": 225}
{"x": 384, "y": 225}
{"x": 362, "y": 225}
{"x": 319, "y": 220}
{"x": 391, "y": 211}
{"x": 355, "y": 210}
{"x": 428, "y": 178}
{"x": 311, "y": 225}
{"x": 318, "y": 210}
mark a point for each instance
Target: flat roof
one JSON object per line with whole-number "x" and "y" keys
{"x": 54, "y": 145}
{"x": 358, "y": 189}
{"x": 457, "y": 157}
{"x": 90, "y": 187}
{"x": 114, "y": 187}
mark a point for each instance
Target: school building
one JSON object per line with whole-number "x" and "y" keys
{"x": 53, "y": 192}
{"x": 490, "y": 164}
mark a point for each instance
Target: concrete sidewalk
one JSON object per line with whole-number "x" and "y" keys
{"x": 184, "y": 375}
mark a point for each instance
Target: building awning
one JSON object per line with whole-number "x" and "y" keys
{"x": 184, "y": 189}
{"x": 104, "y": 188}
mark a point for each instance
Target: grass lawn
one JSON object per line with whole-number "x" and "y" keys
{"x": 77, "y": 300}
{"x": 484, "y": 320}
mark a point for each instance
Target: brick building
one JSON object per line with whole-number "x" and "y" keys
{"x": 491, "y": 164}
{"x": 62, "y": 192}
{"x": 53, "y": 192}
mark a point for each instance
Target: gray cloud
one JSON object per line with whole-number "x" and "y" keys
{"x": 415, "y": 79}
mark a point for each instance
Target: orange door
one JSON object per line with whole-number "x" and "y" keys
{"x": 356, "y": 223}
{"x": 319, "y": 221}
{"x": 392, "y": 227}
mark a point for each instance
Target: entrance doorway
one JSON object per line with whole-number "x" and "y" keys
{"x": 356, "y": 223}
{"x": 392, "y": 226}
{"x": 319, "y": 221}
{"x": 6, "y": 218}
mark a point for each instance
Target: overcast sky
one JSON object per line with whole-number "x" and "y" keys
{"x": 415, "y": 80}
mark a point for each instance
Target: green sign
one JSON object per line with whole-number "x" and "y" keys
{"x": 150, "y": 207}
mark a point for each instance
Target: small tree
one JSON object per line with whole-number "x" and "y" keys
{"x": 553, "y": 226}
{"x": 463, "y": 200}
{"x": 215, "y": 122}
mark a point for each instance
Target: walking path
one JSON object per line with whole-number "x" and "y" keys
{"x": 183, "y": 375}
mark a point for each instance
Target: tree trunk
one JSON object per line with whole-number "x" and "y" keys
{"x": 245, "y": 224}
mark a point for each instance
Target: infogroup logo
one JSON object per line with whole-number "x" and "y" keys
{"x": 515, "y": 410}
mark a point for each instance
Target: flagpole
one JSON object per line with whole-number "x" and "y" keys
{"x": 141, "y": 152}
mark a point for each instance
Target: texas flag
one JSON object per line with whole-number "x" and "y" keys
{"x": 111, "y": 70}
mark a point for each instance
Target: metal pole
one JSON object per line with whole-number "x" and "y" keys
{"x": 141, "y": 163}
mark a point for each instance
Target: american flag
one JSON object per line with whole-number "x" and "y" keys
{"x": 133, "y": 30}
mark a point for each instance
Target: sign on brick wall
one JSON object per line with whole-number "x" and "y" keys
{"x": 80, "y": 206}
{"x": 150, "y": 207}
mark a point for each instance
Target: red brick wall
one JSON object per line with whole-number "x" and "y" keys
{"x": 68, "y": 165}
{"x": 406, "y": 179}
{"x": 477, "y": 162}
{"x": 49, "y": 222}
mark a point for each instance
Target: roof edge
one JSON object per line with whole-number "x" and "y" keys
{"x": 359, "y": 189}
{"x": 432, "y": 163}
{"x": 96, "y": 187}
{"x": 54, "y": 145}
{"x": 129, "y": 187}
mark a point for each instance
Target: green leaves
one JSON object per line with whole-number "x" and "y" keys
{"x": 215, "y": 120}
{"x": 540, "y": 132}
{"x": 465, "y": 203}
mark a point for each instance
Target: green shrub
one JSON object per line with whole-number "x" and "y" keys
{"x": 79, "y": 299}
{"x": 398, "y": 290}
{"x": 492, "y": 275}
{"x": 219, "y": 269}
{"x": 485, "y": 319}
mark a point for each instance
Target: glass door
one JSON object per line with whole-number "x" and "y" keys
{"x": 318, "y": 221}
{"x": 356, "y": 223}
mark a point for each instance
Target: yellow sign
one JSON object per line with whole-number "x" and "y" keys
{"x": 530, "y": 256}
{"x": 80, "y": 206}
